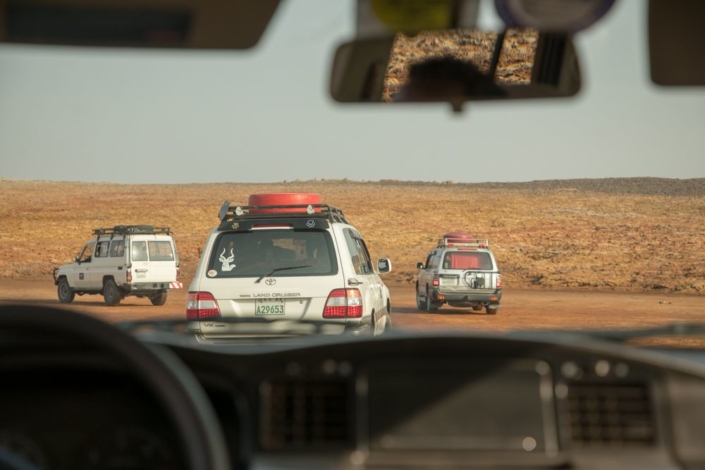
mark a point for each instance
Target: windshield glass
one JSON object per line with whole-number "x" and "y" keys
{"x": 593, "y": 205}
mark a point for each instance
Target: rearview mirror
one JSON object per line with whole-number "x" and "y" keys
{"x": 384, "y": 265}
{"x": 419, "y": 265}
{"x": 456, "y": 66}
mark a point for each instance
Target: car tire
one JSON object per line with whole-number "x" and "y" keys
{"x": 66, "y": 294}
{"x": 420, "y": 304}
{"x": 159, "y": 299}
{"x": 492, "y": 309}
{"x": 111, "y": 293}
{"x": 430, "y": 306}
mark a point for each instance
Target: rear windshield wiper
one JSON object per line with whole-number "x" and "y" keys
{"x": 281, "y": 269}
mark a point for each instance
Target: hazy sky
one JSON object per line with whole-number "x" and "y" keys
{"x": 264, "y": 115}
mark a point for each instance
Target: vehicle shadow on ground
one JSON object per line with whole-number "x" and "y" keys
{"x": 55, "y": 302}
{"x": 441, "y": 311}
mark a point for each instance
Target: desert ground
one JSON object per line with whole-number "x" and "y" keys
{"x": 610, "y": 253}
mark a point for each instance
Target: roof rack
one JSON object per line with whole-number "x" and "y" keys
{"x": 466, "y": 243}
{"x": 230, "y": 213}
{"x": 130, "y": 229}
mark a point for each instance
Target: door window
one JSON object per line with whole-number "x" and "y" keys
{"x": 117, "y": 249}
{"x": 160, "y": 251}
{"x": 358, "y": 253}
{"x": 87, "y": 254}
{"x": 139, "y": 251}
{"x": 101, "y": 249}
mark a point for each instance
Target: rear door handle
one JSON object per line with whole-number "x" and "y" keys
{"x": 141, "y": 270}
{"x": 354, "y": 282}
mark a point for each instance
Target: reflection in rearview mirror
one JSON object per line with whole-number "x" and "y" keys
{"x": 456, "y": 66}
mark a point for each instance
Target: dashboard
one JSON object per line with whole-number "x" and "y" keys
{"x": 400, "y": 401}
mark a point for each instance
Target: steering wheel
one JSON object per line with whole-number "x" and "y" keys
{"x": 159, "y": 369}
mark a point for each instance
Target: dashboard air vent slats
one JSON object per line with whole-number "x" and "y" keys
{"x": 305, "y": 414}
{"x": 616, "y": 415}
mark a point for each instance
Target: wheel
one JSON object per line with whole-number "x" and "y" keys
{"x": 111, "y": 293}
{"x": 420, "y": 304}
{"x": 492, "y": 309}
{"x": 477, "y": 308}
{"x": 430, "y": 306}
{"x": 158, "y": 299}
{"x": 66, "y": 295}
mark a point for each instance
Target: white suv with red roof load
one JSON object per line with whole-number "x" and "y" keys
{"x": 461, "y": 272}
{"x": 287, "y": 256}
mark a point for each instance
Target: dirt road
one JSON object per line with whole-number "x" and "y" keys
{"x": 521, "y": 309}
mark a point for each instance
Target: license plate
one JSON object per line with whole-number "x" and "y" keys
{"x": 140, "y": 276}
{"x": 449, "y": 281}
{"x": 269, "y": 306}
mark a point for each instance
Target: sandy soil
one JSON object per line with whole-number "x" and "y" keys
{"x": 521, "y": 309}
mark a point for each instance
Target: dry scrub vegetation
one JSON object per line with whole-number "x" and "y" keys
{"x": 620, "y": 234}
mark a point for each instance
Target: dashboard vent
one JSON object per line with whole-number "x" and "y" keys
{"x": 305, "y": 414}
{"x": 617, "y": 415}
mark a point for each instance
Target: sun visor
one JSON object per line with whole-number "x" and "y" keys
{"x": 180, "y": 24}
{"x": 677, "y": 42}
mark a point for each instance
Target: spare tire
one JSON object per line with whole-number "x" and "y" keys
{"x": 282, "y": 199}
{"x": 457, "y": 237}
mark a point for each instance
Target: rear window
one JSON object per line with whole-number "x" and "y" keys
{"x": 160, "y": 250}
{"x": 250, "y": 254}
{"x": 467, "y": 260}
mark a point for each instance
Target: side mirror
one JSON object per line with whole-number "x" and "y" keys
{"x": 384, "y": 265}
{"x": 77, "y": 259}
{"x": 420, "y": 265}
{"x": 456, "y": 66}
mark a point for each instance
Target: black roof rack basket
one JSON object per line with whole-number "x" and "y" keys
{"x": 132, "y": 229}
{"x": 230, "y": 213}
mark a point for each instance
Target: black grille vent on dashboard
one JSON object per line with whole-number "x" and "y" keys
{"x": 611, "y": 414}
{"x": 305, "y": 414}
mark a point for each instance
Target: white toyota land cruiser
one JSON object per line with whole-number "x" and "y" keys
{"x": 286, "y": 256}
{"x": 139, "y": 260}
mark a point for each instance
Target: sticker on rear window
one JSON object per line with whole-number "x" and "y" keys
{"x": 226, "y": 261}
{"x": 212, "y": 273}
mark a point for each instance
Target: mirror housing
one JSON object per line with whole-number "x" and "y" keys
{"x": 456, "y": 66}
{"x": 171, "y": 24}
{"x": 384, "y": 265}
{"x": 419, "y": 265}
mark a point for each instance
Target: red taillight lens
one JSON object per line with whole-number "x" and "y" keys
{"x": 128, "y": 275}
{"x": 436, "y": 281}
{"x": 343, "y": 303}
{"x": 499, "y": 281}
{"x": 201, "y": 305}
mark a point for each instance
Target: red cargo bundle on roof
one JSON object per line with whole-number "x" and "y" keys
{"x": 283, "y": 199}
{"x": 458, "y": 237}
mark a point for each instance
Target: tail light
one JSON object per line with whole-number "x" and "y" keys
{"x": 178, "y": 274}
{"x": 436, "y": 281}
{"x": 201, "y": 305}
{"x": 499, "y": 281}
{"x": 343, "y": 303}
{"x": 128, "y": 275}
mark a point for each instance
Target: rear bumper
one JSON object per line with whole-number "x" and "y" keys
{"x": 485, "y": 297}
{"x": 136, "y": 287}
